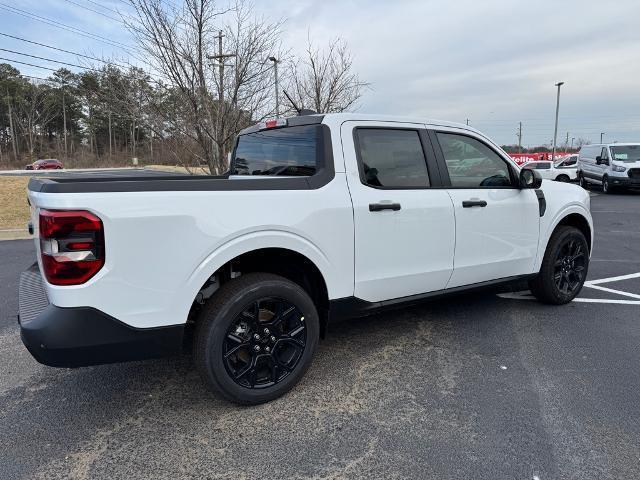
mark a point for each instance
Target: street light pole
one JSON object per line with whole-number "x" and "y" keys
{"x": 275, "y": 74}
{"x": 555, "y": 132}
{"x": 601, "y": 135}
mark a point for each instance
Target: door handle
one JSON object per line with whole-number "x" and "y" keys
{"x": 473, "y": 203}
{"x": 378, "y": 207}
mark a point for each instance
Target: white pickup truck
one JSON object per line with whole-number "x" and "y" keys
{"x": 320, "y": 217}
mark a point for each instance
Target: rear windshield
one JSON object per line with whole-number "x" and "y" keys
{"x": 626, "y": 153}
{"x": 290, "y": 151}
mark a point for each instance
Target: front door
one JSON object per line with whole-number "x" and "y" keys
{"x": 497, "y": 223}
{"x": 404, "y": 228}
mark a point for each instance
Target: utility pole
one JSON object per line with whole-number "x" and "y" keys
{"x": 110, "y": 142}
{"x": 555, "y": 132}
{"x": 467, "y": 122}
{"x": 601, "y": 135}
{"x": 519, "y": 137}
{"x": 275, "y": 74}
{"x": 572, "y": 139}
{"x": 64, "y": 122}
{"x": 13, "y": 133}
{"x": 220, "y": 58}
{"x": 566, "y": 142}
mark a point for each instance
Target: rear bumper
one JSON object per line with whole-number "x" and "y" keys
{"x": 82, "y": 336}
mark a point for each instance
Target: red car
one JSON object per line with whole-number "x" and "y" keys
{"x": 45, "y": 164}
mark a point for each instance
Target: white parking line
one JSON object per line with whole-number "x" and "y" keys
{"x": 611, "y": 290}
{"x": 595, "y": 284}
{"x": 606, "y": 300}
{"x": 614, "y": 279}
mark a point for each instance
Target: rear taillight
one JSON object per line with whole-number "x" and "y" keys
{"x": 72, "y": 246}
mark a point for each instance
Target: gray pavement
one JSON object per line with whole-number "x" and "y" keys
{"x": 477, "y": 386}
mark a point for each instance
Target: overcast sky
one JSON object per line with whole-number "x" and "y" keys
{"x": 492, "y": 62}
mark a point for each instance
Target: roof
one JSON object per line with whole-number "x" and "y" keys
{"x": 346, "y": 116}
{"x": 617, "y": 144}
{"x": 367, "y": 117}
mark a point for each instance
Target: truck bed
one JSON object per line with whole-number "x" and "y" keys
{"x": 173, "y": 182}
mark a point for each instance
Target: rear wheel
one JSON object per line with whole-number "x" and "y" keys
{"x": 256, "y": 338}
{"x": 564, "y": 267}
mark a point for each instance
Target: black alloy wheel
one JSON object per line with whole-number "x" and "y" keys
{"x": 569, "y": 267}
{"x": 564, "y": 267}
{"x": 264, "y": 343}
{"x": 256, "y": 337}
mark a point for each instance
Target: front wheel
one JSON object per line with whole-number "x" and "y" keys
{"x": 606, "y": 188}
{"x": 564, "y": 267}
{"x": 256, "y": 338}
{"x": 562, "y": 178}
{"x": 583, "y": 182}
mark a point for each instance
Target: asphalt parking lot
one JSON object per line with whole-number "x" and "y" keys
{"x": 477, "y": 386}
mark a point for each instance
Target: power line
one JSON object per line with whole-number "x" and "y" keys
{"x": 62, "y": 50}
{"x": 29, "y": 64}
{"x": 62, "y": 26}
{"x": 46, "y": 59}
{"x": 151, "y": 79}
{"x": 94, "y": 11}
{"x": 117, "y": 12}
{"x": 105, "y": 7}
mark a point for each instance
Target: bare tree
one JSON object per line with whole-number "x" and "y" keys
{"x": 210, "y": 103}
{"x": 324, "y": 80}
{"x": 581, "y": 141}
{"x": 35, "y": 109}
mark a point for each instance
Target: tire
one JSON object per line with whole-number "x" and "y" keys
{"x": 562, "y": 178}
{"x": 227, "y": 338}
{"x": 583, "y": 182}
{"x": 547, "y": 287}
{"x": 606, "y": 187}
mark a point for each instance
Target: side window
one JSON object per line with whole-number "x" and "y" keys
{"x": 472, "y": 164}
{"x": 604, "y": 154}
{"x": 391, "y": 158}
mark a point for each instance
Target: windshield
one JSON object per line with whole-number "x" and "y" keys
{"x": 290, "y": 151}
{"x": 540, "y": 165}
{"x": 626, "y": 153}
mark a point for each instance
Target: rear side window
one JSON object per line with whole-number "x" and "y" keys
{"x": 391, "y": 158}
{"x": 290, "y": 151}
{"x": 472, "y": 164}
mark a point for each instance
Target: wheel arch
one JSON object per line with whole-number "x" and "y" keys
{"x": 573, "y": 216}
{"x": 581, "y": 223}
{"x": 281, "y": 253}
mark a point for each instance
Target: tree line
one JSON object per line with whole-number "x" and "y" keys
{"x": 207, "y": 72}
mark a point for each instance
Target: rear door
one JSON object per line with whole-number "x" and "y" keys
{"x": 404, "y": 223}
{"x": 497, "y": 223}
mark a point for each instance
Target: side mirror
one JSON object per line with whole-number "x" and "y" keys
{"x": 529, "y": 178}
{"x": 598, "y": 160}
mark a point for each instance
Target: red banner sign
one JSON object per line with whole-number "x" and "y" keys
{"x": 522, "y": 158}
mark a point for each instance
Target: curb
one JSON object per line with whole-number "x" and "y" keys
{"x": 14, "y": 234}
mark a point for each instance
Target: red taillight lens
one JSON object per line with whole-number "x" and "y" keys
{"x": 72, "y": 246}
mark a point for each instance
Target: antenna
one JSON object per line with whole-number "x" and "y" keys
{"x": 298, "y": 109}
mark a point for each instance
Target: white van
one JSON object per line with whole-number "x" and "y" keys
{"x": 613, "y": 165}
